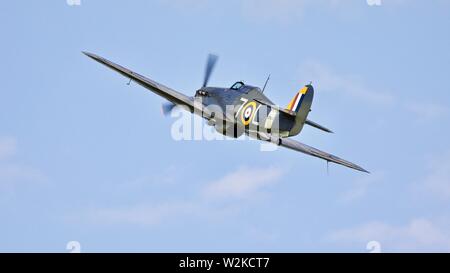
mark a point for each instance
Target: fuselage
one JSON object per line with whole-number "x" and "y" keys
{"x": 243, "y": 109}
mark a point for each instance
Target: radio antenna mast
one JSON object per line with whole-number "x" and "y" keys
{"x": 265, "y": 84}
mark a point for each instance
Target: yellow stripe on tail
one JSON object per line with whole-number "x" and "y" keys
{"x": 295, "y": 103}
{"x": 301, "y": 105}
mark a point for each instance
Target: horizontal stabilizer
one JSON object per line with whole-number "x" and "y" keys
{"x": 318, "y": 126}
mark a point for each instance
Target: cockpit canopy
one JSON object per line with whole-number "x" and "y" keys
{"x": 243, "y": 88}
{"x": 237, "y": 86}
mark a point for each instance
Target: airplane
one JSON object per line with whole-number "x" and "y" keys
{"x": 240, "y": 109}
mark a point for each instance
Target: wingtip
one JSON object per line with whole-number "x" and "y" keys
{"x": 363, "y": 170}
{"x": 90, "y": 55}
{"x": 358, "y": 168}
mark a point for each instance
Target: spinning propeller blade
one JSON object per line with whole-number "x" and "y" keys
{"x": 210, "y": 63}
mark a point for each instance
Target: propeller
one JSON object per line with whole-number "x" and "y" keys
{"x": 167, "y": 108}
{"x": 210, "y": 63}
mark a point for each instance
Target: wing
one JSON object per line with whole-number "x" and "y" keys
{"x": 300, "y": 147}
{"x": 159, "y": 89}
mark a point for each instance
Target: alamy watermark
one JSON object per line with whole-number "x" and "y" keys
{"x": 73, "y": 247}
{"x": 238, "y": 122}
{"x": 374, "y": 2}
{"x": 373, "y": 247}
{"x": 73, "y": 2}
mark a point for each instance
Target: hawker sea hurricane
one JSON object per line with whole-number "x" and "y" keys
{"x": 241, "y": 109}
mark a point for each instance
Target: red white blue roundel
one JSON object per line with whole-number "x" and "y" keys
{"x": 247, "y": 112}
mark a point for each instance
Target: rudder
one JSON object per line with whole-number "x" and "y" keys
{"x": 301, "y": 105}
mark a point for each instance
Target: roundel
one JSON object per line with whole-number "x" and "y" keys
{"x": 247, "y": 112}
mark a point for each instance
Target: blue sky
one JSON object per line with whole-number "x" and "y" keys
{"x": 84, "y": 157}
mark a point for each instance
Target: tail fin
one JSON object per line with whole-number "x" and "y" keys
{"x": 301, "y": 105}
